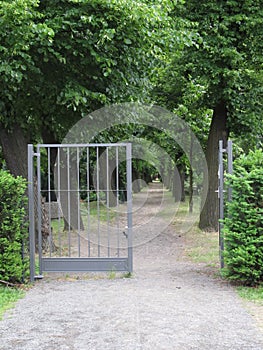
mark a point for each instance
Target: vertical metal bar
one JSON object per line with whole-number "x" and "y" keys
{"x": 31, "y": 210}
{"x": 88, "y": 201}
{"x": 39, "y": 209}
{"x": 229, "y": 167}
{"x": 59, "y": 200}
{"x": 78, "y": 199}
{"x": 69, "y": 194}
{"x": 117, "y": 199}
{"x": 49, "y": 202}
{"x": 98, "y": 199}
{"x": 107, "y": 198}
{"x": 221, "y": 201}
{"x": 129, "y": 205}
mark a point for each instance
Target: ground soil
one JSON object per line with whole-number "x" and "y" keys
{"x": 168, "y": 303}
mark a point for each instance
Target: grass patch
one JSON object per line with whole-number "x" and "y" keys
{"x": 254, "y": 294}
{"x": 112, "y": 275}
{"x": 127, "y": 275}
{"x": 202, "y": 247}
{"x": 8, "y": 298}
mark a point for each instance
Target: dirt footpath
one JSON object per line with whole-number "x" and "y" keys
{"x": 168, "y": 304}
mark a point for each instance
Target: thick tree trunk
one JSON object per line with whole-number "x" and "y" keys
{"x": 67, "y": 189}
{"x": 168, "y": 176}
{"x": 49, "y": 138}
{"x": 218, "y": 131}
{"x": 14, "y": 148}
{"x": 107, "y": 177}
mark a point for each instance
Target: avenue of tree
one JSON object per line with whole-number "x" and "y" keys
{"x": 61, "y": 60}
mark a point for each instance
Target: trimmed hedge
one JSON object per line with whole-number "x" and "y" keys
{"x": 243, "y": 227}
{"x": 13, "y": 228}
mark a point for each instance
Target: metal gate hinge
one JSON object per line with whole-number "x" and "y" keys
{"x": 36, "y": 154}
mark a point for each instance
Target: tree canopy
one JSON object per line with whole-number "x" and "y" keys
{"x": 62, "y": 59}
{"x": 220, "y": 71}
{"x": 67, "y": 58}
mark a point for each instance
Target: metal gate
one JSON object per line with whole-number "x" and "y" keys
{"x": 80, "y": 207}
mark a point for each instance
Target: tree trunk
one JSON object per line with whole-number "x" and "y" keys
{"x": 176, "y": 187}
{"x": 68, "y": 190}
{"x": 107, "y": 176}
{"x": 168, "y": 177}
{"x": 181, "y": 171}
{"x": 76, "y": 223}
{"x": 14, "y": 147}
{"x": 218, "y": 131}
{"x": 136, "y": 186}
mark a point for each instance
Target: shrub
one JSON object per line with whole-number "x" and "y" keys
{"x": 243, "y": 226}
{"x": 12, "y": 227}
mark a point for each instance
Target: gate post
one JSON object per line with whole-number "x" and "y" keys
{"x": 229, "y": 151}
{"x": 129, "y": 205}
{"x": 221, "y": 200}
{"x": 31, "y": 210}
{"x": 229, "y": 166}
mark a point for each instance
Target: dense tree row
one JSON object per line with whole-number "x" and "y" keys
{"x": 60, "y": 60}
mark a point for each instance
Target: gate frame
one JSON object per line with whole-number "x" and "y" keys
{"x": 75, "y": 264}
{"x": 221, "y": 191}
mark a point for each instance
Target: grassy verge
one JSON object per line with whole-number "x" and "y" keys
{"x": 253, "y": 301}
{"x": 202, "y": 247}
{"x": 254, "y": 294}
{"x": 8, "y": 298}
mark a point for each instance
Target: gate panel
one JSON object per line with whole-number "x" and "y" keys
{"x": 84, "y": 207}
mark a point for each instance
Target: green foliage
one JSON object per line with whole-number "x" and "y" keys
{"x": 62, "y": 59}
{"x": 12, "y": 227}
{"x": 223, "y": 63}
{"x": 8, "y": 296}
{"x": 19, "y": 33}
{"x": 243, "y": 227}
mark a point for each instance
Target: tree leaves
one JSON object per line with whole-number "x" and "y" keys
{"x": 243, "y": 225}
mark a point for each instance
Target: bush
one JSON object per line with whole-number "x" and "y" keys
{"x": 243, "y": 226}
{"x": 13, "y": 228}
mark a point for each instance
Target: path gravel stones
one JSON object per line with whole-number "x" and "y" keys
{"x": 168, "y": 304}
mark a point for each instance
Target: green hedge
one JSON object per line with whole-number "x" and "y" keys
{"x": 13, "y": 228}
{"x": 243, "y": 227}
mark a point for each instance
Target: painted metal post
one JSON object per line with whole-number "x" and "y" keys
{"x": 31, "y": 211}
{"x": 129, "y": 206}
{"x": 221, "y": 201}
{"x": 229, "y": 167}
{"x": 39, "y": 211}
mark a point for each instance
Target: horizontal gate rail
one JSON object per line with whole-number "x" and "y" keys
{"x": 84, "y": 264}
{"x": 81, "y": 145}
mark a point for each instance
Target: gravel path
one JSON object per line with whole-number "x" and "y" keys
{"x": 167, "y": 304}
